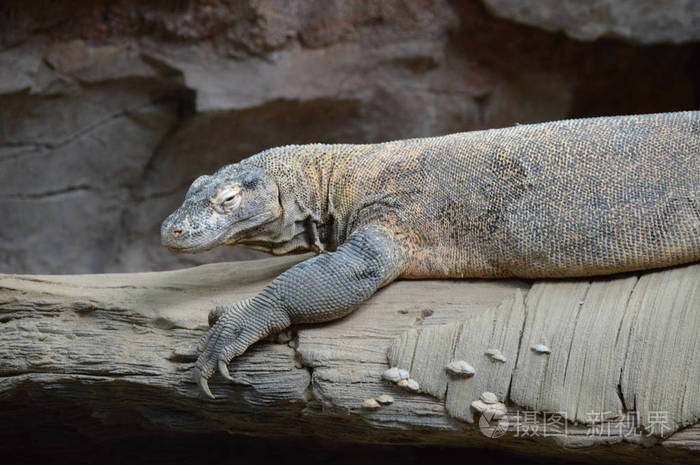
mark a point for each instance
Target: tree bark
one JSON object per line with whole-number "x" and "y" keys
{"x": 118, "y": 349}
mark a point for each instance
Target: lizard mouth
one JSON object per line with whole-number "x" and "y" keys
{"x": 220, "y": 239}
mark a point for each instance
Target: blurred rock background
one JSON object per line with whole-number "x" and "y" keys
{"x": 108, "y": 110}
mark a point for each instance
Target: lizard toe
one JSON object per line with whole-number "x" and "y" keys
{"x": 224, "y": 332}
{"x": 205, "y": 366}
{"x": 215, "y": 313}
{"x": 236, "y": 347}
{"x": 204, "y": 340}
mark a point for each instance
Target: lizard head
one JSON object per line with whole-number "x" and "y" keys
{"x": 235, "y": 203}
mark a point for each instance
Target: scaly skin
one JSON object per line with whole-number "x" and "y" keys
{"x": 569, "y": 198}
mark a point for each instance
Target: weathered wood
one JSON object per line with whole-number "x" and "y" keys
{"x": 121, "y": 346}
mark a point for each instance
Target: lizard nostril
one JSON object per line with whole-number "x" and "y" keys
{"x": 177, "y": 232}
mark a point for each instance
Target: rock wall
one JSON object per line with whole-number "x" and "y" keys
{"x": 648, "y": 22}
{"x": 108, "y": 110}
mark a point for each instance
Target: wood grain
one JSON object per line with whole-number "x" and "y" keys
{"x": 120, "y": 347}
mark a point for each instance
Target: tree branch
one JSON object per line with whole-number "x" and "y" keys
{"x": 119, "y": 349}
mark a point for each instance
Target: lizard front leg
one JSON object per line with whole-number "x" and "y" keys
{"x": 323, "y": 288}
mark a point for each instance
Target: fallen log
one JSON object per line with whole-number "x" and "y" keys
{"x": 619, "y": 379}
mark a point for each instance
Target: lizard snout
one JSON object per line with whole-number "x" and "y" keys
{"x": 171, "y": 233}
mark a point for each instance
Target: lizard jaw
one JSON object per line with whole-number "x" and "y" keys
{"x": 217, "y": 240}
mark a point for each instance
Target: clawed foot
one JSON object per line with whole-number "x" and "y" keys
{"x": 233, "y": 329}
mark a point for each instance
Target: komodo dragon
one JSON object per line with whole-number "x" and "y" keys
{"x": 568, "y": 198}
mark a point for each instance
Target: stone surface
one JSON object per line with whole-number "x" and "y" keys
{"x": 113, "y": 354}
{"x": 647, "y": 22}
{"x": 108, "y": 110}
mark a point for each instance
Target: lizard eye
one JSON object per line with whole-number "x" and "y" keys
{"x": 228, "y": 198}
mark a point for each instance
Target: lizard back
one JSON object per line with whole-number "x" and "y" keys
{"x": 561, "y": 199}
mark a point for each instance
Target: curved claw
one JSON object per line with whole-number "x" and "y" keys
{"x": 223, "y": 369}
{"x": 203, "y": 383}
